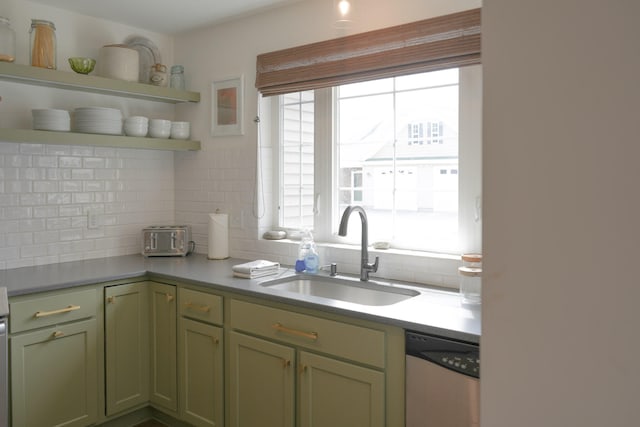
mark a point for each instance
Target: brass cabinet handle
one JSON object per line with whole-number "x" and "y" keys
{"x": 60, "y": 311}
{"x": 303, "y": 368}
{"x": 281, "y": 328}
{"x": 111, "y": 300}
{"x": 58, "y": 334}
{"x": 169, "y": 297}
{"x": 202, "y": 308}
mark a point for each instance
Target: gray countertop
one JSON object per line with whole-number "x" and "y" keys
{"x": 436, "y": 311}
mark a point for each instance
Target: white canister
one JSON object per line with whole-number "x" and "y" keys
{"x": 117, "y": 61}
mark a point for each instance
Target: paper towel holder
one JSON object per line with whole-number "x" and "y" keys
{"x": 218, "y": 236}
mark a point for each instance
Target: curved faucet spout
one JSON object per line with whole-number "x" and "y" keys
{"x": 365, "y": 266}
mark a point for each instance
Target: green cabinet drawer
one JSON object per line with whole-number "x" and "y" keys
{"x": 341, "y": 339}
{"x": 51, "y": 309}
{"x": 200, "y": 306}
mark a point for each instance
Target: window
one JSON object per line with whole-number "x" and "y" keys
{"x": 395, "y": 150}
{"x": 296, "y": 160}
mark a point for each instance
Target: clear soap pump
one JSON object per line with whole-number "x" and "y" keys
{"x": 308, "y": 260}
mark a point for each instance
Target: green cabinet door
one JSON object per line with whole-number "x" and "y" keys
{"x": 126, "y": 346}
{"x": 163, "y": 326}
{"x": 201, "y": 373}
{"x": 338, "y": 394}
{"x": 54, "y": 376}
{"x": 262, "y": 380}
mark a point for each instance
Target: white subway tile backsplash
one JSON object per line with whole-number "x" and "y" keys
{"x": 81, "y": 173}
{"x": 47, "y": 190}
{"x": 33, "y": 199}
{"x": 45, "y": 186}
{"x": 45, "y": 161}
{"x": 70, "y": 186}
{"x": 70, "y": 162}
{"x": 32, "y": 148}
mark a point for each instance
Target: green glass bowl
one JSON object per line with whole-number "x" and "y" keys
{"x": 82, "y": 65}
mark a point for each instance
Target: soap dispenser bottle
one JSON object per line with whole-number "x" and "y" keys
{"x": 311, "y": 259}
{"x": 303, "y": 249}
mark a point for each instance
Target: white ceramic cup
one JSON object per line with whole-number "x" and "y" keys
{"x": 159, "y": 128}
{"x": 136, "y": 126}
{"x": 180, "y": 130}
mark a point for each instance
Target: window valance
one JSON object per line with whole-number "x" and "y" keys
{"x": 431, "y": 44}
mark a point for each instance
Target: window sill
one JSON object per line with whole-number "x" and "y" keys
{"x": 422, "y": 268}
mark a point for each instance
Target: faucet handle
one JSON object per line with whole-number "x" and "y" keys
{"x": 374, "y": 267}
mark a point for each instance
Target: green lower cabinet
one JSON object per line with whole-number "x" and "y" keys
{"x": 126, "y": 346}
{"x": 162, "y": 336}
{"x": 262, "y": 383}
{"x": 338, "y": 394}
{"x": 201, "y": 373}
{"x": 330, "y": 393}
{"x": 54, "y": 376}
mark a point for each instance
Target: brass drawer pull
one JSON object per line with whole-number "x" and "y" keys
{"x": 281, "y": 328}
{"x": 58, "y": 334}
{"x": 169, "y": 297}
{"x": 62, "y": 310}
{"x": 202, "y": 308}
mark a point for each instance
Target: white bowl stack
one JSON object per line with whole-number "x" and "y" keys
{"x": 180, "y": 130}
{"x": 51, "y": 119}
{"x": 100, "y": 120}
{"x": 159, "y": 128}
{"x": 136, "y": 126}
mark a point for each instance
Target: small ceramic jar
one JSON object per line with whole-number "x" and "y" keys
{"x": 158, "y": 75}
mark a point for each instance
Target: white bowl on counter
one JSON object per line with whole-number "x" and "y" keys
{"x": 180, "y": 130}
{"x": 159, "y": 128}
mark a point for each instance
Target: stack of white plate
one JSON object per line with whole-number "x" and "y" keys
{"x": 50, "y": 119}
{"x": 98, "y": 120}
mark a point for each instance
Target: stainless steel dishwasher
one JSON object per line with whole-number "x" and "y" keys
{"x": 4, "y": 358}
{"x": 442, "y": 382}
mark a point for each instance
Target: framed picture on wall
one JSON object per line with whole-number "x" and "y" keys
{"x": 227, "y": 105}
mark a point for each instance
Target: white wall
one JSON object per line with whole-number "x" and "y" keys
{"x": 223, "y": 175}
{"x": 46, "y": 190}
{"x": 560, "y": 330}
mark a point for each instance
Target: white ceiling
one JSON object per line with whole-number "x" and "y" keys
{"x": 166, "y": 16}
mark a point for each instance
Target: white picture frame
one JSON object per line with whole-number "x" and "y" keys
{"x": 227, "y": 107}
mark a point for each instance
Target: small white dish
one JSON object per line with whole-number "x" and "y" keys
{"x": 180, "y": 130}
{"x": 159, "y": 128}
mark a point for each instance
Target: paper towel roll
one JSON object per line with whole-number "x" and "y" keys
{"x": 218, "y": 236}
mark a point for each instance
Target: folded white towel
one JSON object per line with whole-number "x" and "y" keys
{"x": 255, "y": 269}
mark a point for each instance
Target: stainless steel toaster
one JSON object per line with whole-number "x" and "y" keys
{"x": 167, "y": 240}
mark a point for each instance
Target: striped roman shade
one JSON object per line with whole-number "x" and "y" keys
{"x": 431, "y": 44}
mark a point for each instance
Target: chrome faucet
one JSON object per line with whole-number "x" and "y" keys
{"x": 365, "y": 267}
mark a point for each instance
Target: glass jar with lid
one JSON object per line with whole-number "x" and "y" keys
{"x": 176, "y": 80}
{"x": 470, "y": 285}
{"x": 42, "y": 44}
{"x": 472, "y": 260}
{"x": 7, "y": 41}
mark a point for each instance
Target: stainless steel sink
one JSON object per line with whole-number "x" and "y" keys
{"x": 364, "y": 293}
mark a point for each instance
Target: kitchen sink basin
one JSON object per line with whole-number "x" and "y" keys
{"x": 364, "y": 293}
